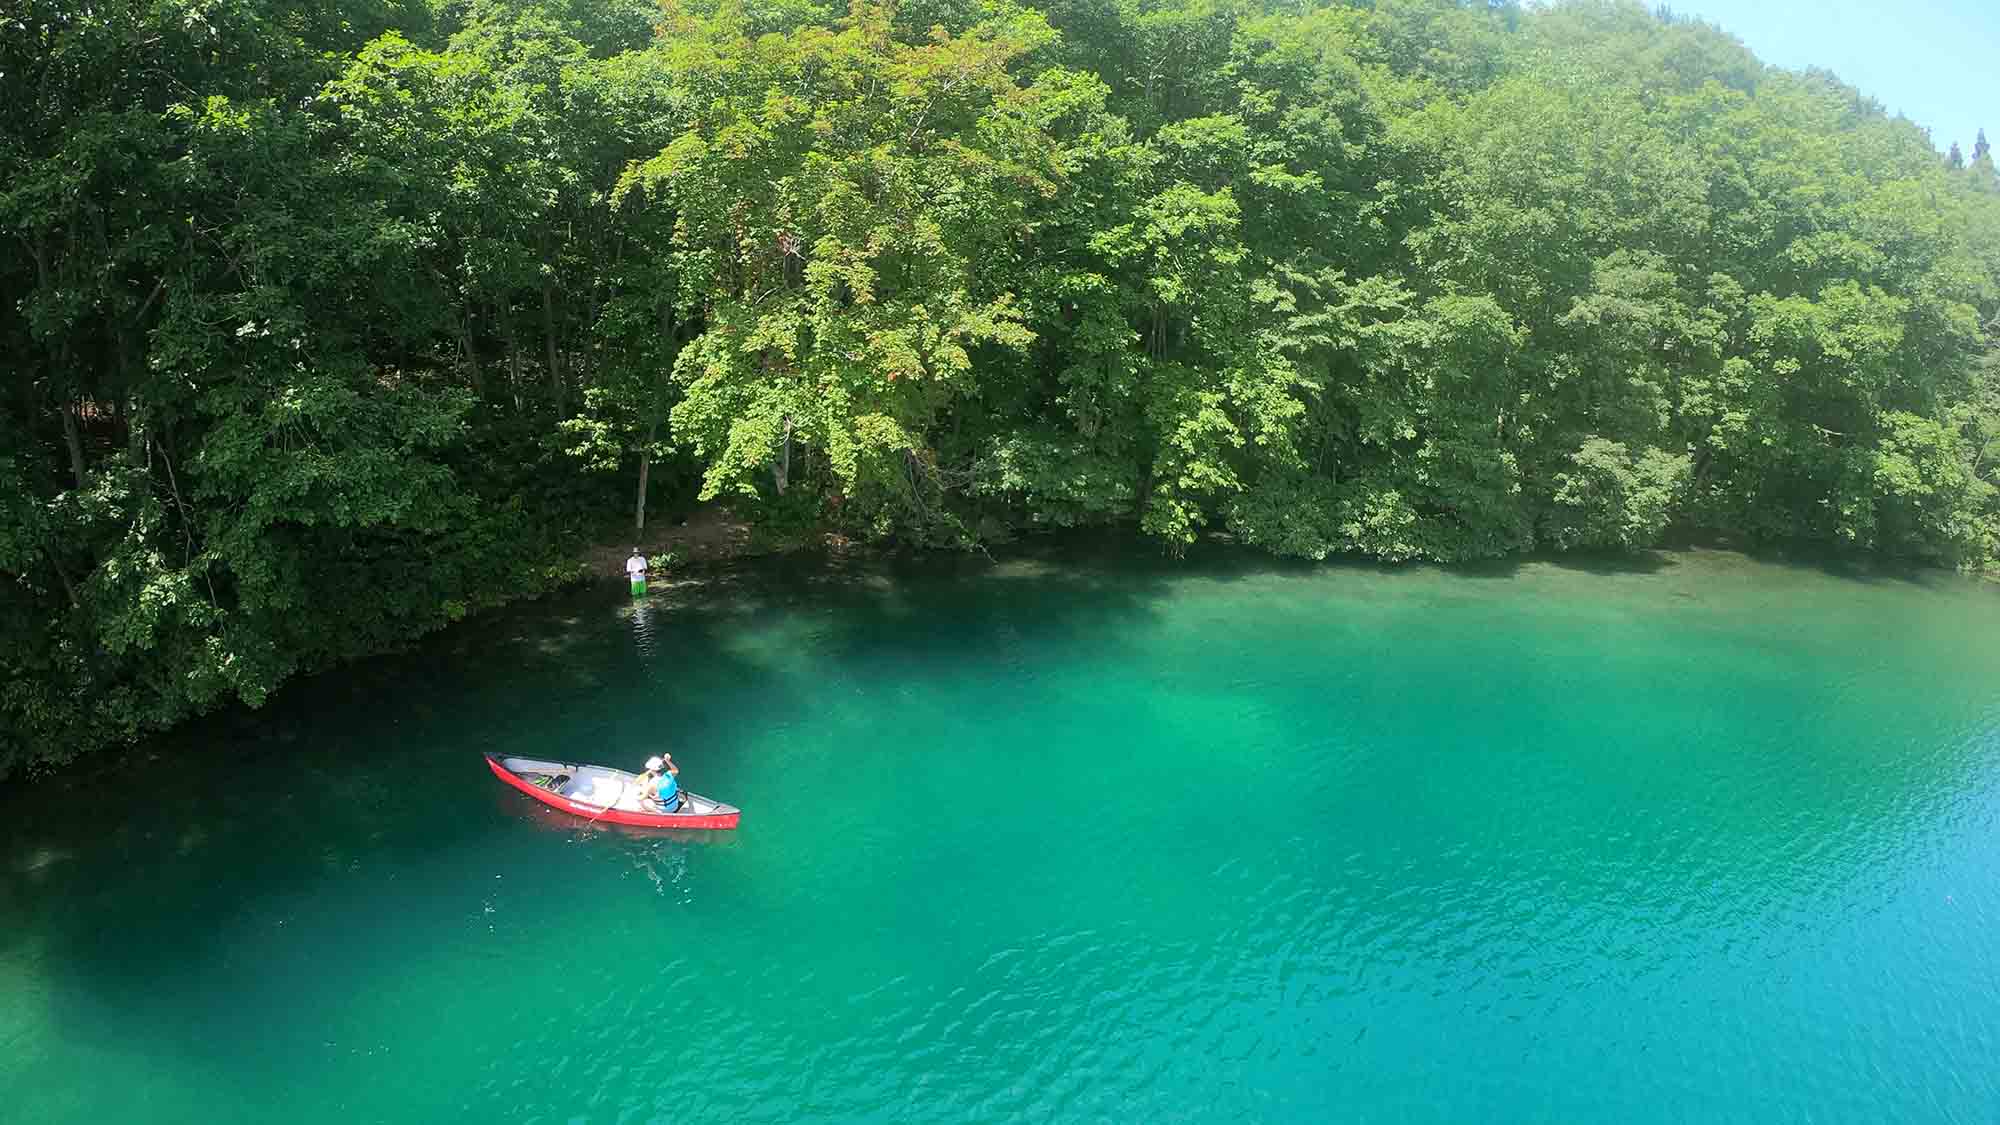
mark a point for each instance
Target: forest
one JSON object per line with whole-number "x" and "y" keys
{"x": 332, "y": 321}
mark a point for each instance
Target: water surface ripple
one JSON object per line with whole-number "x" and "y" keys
{"x": 1064, "y": 837}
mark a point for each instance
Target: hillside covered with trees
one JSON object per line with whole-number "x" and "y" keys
{"x": 332, "y": 320}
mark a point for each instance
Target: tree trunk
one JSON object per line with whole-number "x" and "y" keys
{"x": 645, "y": 469}
{"x": 781, "y": 473}
{"x": 69, "y": 588}
{"x": 187, "y": 518}
{"x": 135, "y": 434}
{"x": 471, "y": 356}
{"x": 556, "y": 388}
{"x": 513, "y": 359}
{"x": 74, "y": 440}
{"x": 131, "y": 367}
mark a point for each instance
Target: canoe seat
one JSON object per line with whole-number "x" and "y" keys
{"x": 597, "y": 789}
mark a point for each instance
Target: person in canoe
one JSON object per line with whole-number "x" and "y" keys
{"x": 660, "y": 785}
{"x": 635, "y": 568}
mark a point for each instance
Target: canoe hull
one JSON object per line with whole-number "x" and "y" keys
{"x": 707, "y": 815}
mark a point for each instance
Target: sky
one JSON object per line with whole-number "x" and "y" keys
{"x": 1936, "y": 62}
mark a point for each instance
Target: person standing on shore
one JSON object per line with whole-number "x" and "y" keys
{"x": 635, "y": 567}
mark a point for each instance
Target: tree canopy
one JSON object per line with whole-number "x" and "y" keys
{"x": 332, "y": 320}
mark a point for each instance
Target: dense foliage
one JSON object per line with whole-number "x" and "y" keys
{"x": 332, "y": 319}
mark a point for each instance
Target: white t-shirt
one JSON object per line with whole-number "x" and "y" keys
{"x": 636, "y": 566}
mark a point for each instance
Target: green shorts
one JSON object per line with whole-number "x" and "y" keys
{"x": 638, "y": 586}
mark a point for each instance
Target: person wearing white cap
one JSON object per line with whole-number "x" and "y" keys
{"x": 658, "y": 783}
{"x": 635, "y": 568}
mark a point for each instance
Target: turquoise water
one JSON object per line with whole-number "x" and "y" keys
{"x": 1069, "y": 836}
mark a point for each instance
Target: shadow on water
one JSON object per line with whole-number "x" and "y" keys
{"x": 307, "y": 811}
{"x": 1866, "y": 569}
{"x": 1613, "y": 562}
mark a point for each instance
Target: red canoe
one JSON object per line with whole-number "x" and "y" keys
{"x": 604, "y": 794}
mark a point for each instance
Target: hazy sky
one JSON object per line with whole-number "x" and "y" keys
{"x": 1936, "y": 62}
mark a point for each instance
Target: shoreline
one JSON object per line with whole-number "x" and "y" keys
{"x": 708, "y": 534}
{"x": 697, "y": 553}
